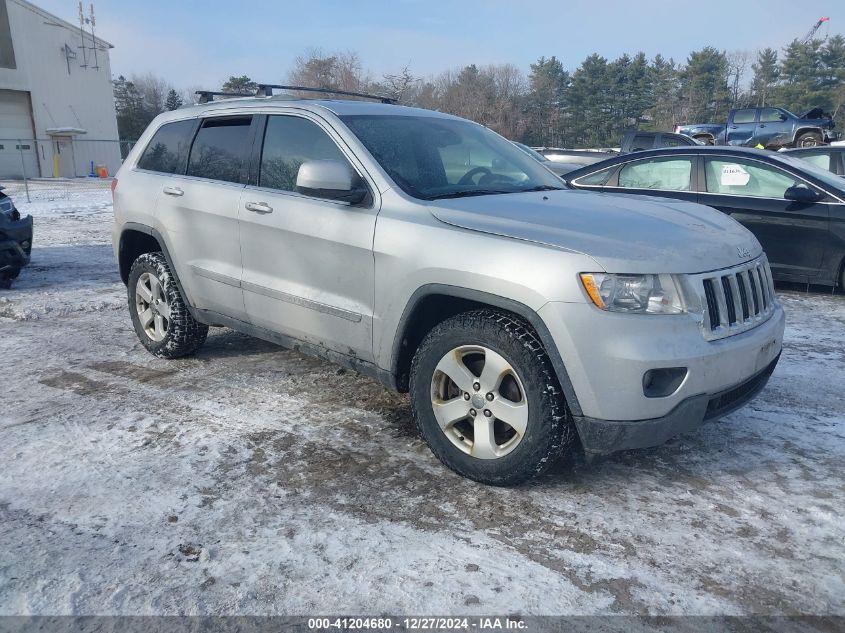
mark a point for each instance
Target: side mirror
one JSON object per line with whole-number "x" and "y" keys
{"x": 330, "y": 180}
{"x": 801, "y": 193}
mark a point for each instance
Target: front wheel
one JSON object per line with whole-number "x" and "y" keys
{"x": 486, "y": 399}
{"x": 809, "y": 139}
{"x": 160, "y": 315}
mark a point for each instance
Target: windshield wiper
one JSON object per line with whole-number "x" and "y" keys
{"x": 542, "y": 188}
{"x": 466, "y": 194}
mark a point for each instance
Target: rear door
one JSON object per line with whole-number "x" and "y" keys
{"x": 308, "y": 265}
{"x": 199, "y": 213}
{"x": 742, "y": 127}
{"x": 794, "y": 235}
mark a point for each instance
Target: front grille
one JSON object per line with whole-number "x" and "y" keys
{"x": 736, "y": 299}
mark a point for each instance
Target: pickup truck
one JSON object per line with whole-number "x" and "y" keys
{"x": 772, "y": 128}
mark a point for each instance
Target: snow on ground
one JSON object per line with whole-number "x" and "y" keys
{"x": 254, "y": 480}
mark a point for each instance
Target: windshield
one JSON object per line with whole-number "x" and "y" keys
{"x": 432, "y": 157}
{"x": 827, "y": 177}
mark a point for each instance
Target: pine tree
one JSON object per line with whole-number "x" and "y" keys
{"x": 239, "y": 84}
{"x": 174, "y": 101}
{"x": 766, "y": 74}
{"x": 705, "y": 85}
{"x": 546, "y": 101}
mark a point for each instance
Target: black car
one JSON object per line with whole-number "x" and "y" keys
{"x": 825, "y": 156}
{"x": 796, "y": 210}
{"x": 15, "y": 240}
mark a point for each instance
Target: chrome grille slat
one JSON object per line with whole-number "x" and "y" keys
{"x": 736, "y": 299}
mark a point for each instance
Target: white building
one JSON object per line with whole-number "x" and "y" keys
{"x": 56, "y": 102}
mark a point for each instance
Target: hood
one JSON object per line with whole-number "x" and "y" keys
{"x": 621, "y": 232}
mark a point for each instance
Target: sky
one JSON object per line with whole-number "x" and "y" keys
{"x": 194, "y": 44}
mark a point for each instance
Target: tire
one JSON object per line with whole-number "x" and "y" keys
{"x": 808, "y": 139}
{"x": 168, "y": 330}
{"x": 508, "y": 456}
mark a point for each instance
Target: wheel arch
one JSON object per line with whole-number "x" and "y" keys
{"x": 433, "y": 303}
{"x": 137, "y": 239}
{"x": 804, "y": 130}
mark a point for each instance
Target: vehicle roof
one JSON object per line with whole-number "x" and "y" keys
{"x": 340, "y": 107}
{"x": 817, "y": 148}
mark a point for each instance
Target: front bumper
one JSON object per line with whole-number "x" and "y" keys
{"x": 608, "y": 436}
{"x": 830, "y": 136}
{"x": 606, "y": 356}
{"x": 15, "y": 243}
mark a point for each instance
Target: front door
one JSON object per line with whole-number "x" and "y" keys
{"x": 665, "y": 176}
{"x": 742, "y": 127}
{"x": 308, "y": 266}
{"x": 794, "y": 235}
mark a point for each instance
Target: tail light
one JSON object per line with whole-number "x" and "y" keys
{"x": 113, "y": 187}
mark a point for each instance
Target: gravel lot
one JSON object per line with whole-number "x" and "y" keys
{"x": 251, "y": 479}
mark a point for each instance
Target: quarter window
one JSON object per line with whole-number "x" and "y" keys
{"x": 220, "y": 148}
{"x": 596, "y": 179}
{"x": 167, "y": 151}
{"x": 746, "y": 178}
{"x": 744, "y": 116}
{"x": 664, "y": 174}
{"x": 819, "y": 160}
{"x": 290, "y": 141}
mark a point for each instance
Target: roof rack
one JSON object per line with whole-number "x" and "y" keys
{"x": 208, "y": 95}
{"x": 267, "y": 91}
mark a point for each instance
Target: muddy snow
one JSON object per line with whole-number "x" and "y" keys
{"x": 254, "y": 480}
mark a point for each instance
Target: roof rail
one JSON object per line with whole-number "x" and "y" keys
{"x": 208, "y": 95}
{"x": 267, "y": 91}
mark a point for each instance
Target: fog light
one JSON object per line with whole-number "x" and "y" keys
{"x": 659, "y": 383}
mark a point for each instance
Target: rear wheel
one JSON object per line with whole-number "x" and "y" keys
{"x": 159, "y": 313}
{"x": 808, "y": 139}
{"x": 487, "y": 401}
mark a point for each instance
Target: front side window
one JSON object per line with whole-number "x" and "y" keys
{"x": 220, "y": 149}
{"x": 740, "y": 177}
{"x": 771, "y": 115}
{"x": 664, "y": 174}
{"x": 290, "y": 141}
{"x": 744, "y": 116}
{"x": 167, "y": 151}
{"x": 436, "y": 157}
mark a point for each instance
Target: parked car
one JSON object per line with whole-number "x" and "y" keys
{"x": 829, "y": 157}
{"x": 638, "y": 140}
{"x": 770, "y": 128}
{"x": 428, "y": 252}
{"x": 15, "y": 240}
{"x": 795, "y": 209}
{"x": 574, "y": 156}
{"x": 556, "y": 167}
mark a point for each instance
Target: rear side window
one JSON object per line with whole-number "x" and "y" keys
{"x": 819, "y": 160}
{"x": 167, "y": 152}
{"x": 290, "y": 141}
{"x": 744, "y": 116}
{"x": 642, "y": 142}
{"x": 220, "y": 149}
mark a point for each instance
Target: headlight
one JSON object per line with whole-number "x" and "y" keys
{"x": 638, "y": 294}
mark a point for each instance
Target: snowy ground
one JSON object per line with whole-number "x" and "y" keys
{"x": 254, "y": 480}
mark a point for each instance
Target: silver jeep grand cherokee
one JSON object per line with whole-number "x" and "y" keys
{"x": 430, "y": 253}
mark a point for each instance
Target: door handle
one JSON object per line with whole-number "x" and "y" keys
{"x": 173, "y": 191}
{"x": 258, "y": 207}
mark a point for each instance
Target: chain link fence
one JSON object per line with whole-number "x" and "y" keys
{"x": 47, "y": 169}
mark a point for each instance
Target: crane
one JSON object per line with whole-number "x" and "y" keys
{"x": 815, "y": 28}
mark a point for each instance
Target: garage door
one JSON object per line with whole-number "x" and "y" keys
{"x": 15, "y": 126}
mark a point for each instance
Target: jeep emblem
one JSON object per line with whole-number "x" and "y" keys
{"x": 743, "y": 252}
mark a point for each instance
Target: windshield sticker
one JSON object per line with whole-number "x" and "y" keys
{"x": 734, "y": 176}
